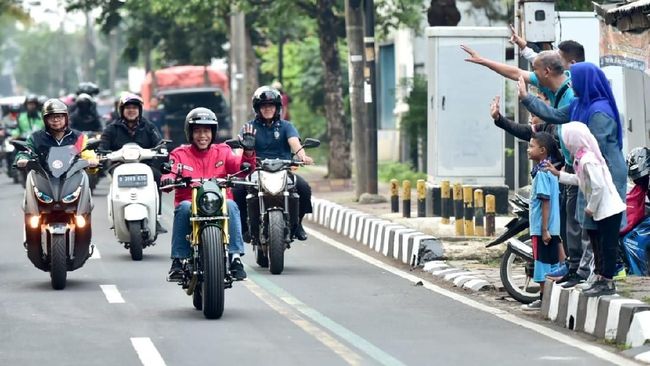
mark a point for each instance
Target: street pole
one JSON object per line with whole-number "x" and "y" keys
{"x": 354, "y": 33}
{"x": 370, "y": 96}
{"x": 521, "y": 115}
{"x": 112, "y": 60}
{"x": 238, "y": 70}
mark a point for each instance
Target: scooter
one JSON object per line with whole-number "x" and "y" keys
{"x": 57, "y": 207}
{"x": 133, "y": 197}
{"x": 517, "y": 263}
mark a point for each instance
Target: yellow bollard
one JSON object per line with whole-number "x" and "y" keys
{"x": 445, "y": 198}
{"x": 479, "y": 213}
{"x": 490, "y": 208}
{"x": 468, "y": 210}
{"x": 406, "y": 198}
{"x": 422, "y": 196}
{"x": 394, "y": 195}
{"x": 458, "y": 208}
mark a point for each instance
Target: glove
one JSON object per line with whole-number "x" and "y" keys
{"x": 247, "y": 141}
{"x": 166, "y": 182}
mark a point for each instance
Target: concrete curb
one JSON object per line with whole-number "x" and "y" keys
{"x": 392, "y": 240}
{"x": 614, "y": 318}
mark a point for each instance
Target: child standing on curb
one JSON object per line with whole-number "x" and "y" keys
{"x": 544, "y": 212}
{"x": 604, "y": 204}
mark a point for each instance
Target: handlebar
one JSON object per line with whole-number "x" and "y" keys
{"x": 230, "y": 181}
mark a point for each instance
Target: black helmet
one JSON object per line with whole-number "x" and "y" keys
{"x": 130, "y": 99}
{"x": 54, "y": 106}
{"x": 267, "y": 95}
{"x": 638, "y": 163}
{"x": 31, "y": 98}
{"x": 201, "y": 116}
{"x": 84, "y": 98}
{"x": 88, "y": 88}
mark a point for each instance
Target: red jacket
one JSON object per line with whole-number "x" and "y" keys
{"x": 215, "y": 162}
{"x": 635, "y": 208}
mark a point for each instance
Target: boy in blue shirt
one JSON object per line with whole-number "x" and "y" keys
{"x": 544, "y": 212}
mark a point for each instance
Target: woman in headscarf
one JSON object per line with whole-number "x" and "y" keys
{"x": 604, "y": 205}
{"x": 594, "y": 106}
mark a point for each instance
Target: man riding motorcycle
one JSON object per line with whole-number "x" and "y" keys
{"x": 56, "y": 133}
{"x": 133, "y": 127}
{"x": 276, "y": 138}
{"x": 203, "y": 159}
{"x": 85, "y": 117}
{"x": 30, "y": 120}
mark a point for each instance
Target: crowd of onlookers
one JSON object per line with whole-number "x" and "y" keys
{"x": 579, "y": 173}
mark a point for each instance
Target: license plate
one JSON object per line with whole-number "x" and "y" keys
{"x": 132, "y": 180}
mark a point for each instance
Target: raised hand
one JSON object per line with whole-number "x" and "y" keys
{"x": 474, "y": 57}
{"x": 494, "y": 108}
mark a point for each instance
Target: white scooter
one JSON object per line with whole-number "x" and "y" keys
{"x": 133, "y": 197}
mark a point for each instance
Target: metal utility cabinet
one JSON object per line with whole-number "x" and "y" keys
{"x": 464, "y": 145}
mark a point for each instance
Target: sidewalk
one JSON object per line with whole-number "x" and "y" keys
{"x": 468, "y": 264}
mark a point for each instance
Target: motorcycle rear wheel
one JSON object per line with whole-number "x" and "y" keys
{"x": 213, "y": 262}
{"x": 276, "y": 243}
{"x": 260, "y": 257}
{"x": 197, "y": 299}
{"x": 135, "y": 245}
{"x": 516, "y": 281}
{"x": 58, "y": 262}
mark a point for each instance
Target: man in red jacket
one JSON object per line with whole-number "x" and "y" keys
{"x": 205, "y": 159}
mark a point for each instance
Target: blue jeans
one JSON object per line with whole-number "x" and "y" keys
{"x": 182, "y": 228}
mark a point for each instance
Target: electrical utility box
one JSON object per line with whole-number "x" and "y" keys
{"x": 538, "y": 20}
{"x": 463, "y": 144}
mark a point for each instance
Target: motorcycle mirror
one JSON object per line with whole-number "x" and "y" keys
{"x": 21, "y": 145}
{"x": 166, "y": 168}
{"x": 310, "y": 143}
{"x": 92, "y": 144}
{"x": 233, "y": 143}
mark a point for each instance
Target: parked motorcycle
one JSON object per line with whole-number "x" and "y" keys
{"x": 272, "y": 203}
{"x": 133, "y": 196}
{"x": 57, "y": 207}
{"x": 205, "y": 273}
{"x": 517, "y": 263}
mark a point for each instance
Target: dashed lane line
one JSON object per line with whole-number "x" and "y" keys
{"x": 112, "y": 294}
{"x": 147, "y": 352}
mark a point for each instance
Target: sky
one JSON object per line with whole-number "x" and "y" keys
{"x": 52, "y": 12}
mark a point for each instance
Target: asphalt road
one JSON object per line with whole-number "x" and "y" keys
{"x": 327, "y": 308}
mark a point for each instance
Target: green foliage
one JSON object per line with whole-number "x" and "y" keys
{"x": 574, "y": 5}
{"x": 414, "y": 122}
{"x": 399, "y": 171}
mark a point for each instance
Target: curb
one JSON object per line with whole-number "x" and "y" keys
{"x": 395, "y": 241}
{"x": 613, "y": 318}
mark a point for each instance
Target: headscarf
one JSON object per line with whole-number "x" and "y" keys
{"x": 584, "y": 149}
{"x": 593, "y": 94}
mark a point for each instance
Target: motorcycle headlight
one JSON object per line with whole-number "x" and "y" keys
{"x": 44, "y": 198}
{"x": 210, "y": 203}
{"x": 273, "y": 183}
{"x": 72, "y": 196}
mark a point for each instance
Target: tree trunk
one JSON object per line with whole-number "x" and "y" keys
{"x": 339, "y": 155}
{"x": 252, "y": 75}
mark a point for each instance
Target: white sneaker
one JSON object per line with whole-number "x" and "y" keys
{"x": 533, "y": 306}
{"x": 587, "y": 284}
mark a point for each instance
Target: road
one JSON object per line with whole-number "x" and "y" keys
{"x": 327, "y": 308}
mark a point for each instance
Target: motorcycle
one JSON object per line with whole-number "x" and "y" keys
{"x": 57, "y": 207}
{"x": 133, "y": 200}
{"x": 517, "y": 263}
{"x": 272, "y": 203}
{"x": 205, "y": 273}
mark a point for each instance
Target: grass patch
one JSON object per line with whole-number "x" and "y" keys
{"x": 399, "y": 171}
{"x": 646, "y": 299}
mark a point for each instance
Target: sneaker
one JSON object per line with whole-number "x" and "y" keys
{"x": 176, "y": 270}
{"x": 572, "y": 279}
{"x": 299, "y": 233}
{"x": 587, "y": 284}
{"x": 559, "y": 273}
{"x": 601, "y": 287}
{"x": 533, "y": 306}
{"x": 621, "y": 274}
{"x": 237, "y": 270}
{"x": 160, "y": 229}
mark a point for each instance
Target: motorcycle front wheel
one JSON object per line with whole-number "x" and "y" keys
{"x": 276, "y": 244}
{"x": 135, "y": 245}
{"x": 58, "y": 262}
{"x": 213, "y": 263}
{"x": 516, "y": 279}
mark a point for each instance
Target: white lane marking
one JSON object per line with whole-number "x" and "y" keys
{"x": 147, "y": 352}
{"x": 112, "y": 294}
{"x": 96, "y": 254}
{"x": 555, "y": 335}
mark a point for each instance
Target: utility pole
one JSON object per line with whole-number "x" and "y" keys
{"x": 370, "y": 96}
{"x": 238, "y": 70}
{"x": 354, "y": 33}
{"x": 112, "y": 60}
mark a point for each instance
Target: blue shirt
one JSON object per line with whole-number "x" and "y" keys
{"x": 545, "y": 187}
{"x": 272, "y": 142}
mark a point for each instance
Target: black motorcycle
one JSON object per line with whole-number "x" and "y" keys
{"x": 272, "y": 204}
{"x": 517, "y": 263}
{"x": 57, "y": 211}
